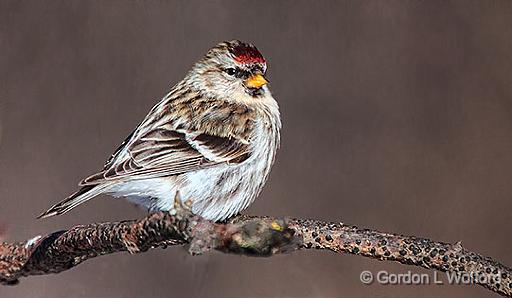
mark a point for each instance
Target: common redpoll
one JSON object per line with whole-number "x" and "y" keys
{"x": 212, "y": 138}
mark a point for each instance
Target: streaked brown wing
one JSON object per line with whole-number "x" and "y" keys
{"x": 162, "y": 152}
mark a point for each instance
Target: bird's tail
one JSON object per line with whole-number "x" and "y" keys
{"x": 81, "y": 196}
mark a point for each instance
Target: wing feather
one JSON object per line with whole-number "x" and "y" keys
{"x": 165, "y": 152}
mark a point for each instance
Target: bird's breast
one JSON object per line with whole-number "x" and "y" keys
{"x": 225, "y": 190}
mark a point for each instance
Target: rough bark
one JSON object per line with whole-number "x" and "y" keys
{"x": 246, "y": 235}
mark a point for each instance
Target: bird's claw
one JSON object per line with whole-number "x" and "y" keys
{"x": 180, "y": 205}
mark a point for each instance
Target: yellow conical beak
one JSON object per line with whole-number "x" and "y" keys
{"x": 255, "y": 81}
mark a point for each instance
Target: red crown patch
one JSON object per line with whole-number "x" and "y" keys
{"x": 247, "y": 54}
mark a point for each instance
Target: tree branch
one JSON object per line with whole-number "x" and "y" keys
{"x": 254, "y": 236}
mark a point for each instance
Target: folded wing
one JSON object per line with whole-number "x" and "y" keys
{"x": 165, "y": 152}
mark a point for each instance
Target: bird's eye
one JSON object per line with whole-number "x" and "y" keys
{"x": 231, "y": 71}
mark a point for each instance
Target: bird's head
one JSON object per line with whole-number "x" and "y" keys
{"x": 231, "y": 69}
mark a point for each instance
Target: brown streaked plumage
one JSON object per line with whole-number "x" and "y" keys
{"x": 213, "y": 138}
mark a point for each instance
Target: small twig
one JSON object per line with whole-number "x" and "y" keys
{"x": 254, "y": 236}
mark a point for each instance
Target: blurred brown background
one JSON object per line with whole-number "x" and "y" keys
{"x": 397, "y": 116}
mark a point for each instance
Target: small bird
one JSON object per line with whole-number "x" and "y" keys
{"x": 212, "y": 139}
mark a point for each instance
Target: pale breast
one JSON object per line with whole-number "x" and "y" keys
{"x": 224, "y": 191}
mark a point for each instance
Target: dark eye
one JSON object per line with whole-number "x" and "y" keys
{"x": 231, "y": 71}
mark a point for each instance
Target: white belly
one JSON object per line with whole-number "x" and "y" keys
{"x": 217, "y": 193}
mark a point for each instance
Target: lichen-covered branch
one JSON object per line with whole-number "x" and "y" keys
{"x": 254, "y": 236}
{"x": 409, "y": 250}
{"x": 62, "y": 250}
